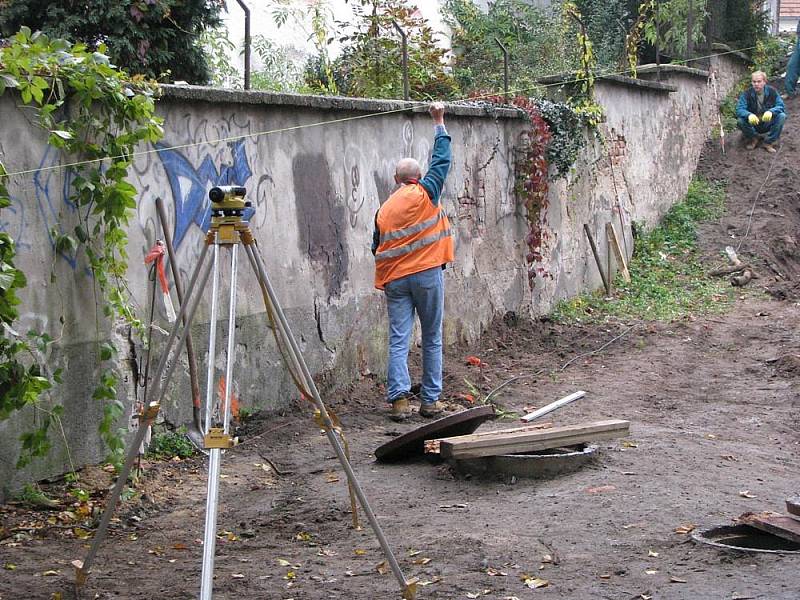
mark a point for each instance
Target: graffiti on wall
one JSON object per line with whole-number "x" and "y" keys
{"x": 189, "y": 185}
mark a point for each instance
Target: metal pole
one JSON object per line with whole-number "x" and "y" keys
{"x": 505, "y": 68}
{"x": 597, "y": 258}
{"x": 405, "y": 58}
{"x": 192, "y": 357}
{"x": 553, "y": 406}
{"x": 215, "y": 460}
{"x": 329, "y": 427}
{"x": 658, "y": 36}
{"x": 247, "y": 43}
{"x": 160, "y": 380}
{"x": 212, "y": 341}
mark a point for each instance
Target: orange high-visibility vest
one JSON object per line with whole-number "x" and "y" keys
{"x": 415, "y": 235}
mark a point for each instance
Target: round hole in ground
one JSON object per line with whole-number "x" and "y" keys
{"x": 744, "y": 538}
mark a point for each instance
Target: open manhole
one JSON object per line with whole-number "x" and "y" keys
{"x": 743, "y": 538}
{"x": 536, "y": 465}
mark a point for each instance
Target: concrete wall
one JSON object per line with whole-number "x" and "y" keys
{"x": 315, "y": 189}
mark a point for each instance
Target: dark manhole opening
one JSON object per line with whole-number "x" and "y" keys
{"x": 745, "y": 539}
{"x": 540, "y": 464}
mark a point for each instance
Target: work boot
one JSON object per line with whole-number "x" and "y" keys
{"x": 770, "y": 148}
{"x": 751, "y": 145}
{"x": 431, "y": 409}
{"x": 401, "y": 409}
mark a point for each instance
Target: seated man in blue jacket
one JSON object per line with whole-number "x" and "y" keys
{"x": 760, "y": 113}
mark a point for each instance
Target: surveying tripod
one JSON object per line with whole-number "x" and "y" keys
{"x": 228, "y": 231}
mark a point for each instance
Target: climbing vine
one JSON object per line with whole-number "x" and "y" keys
{"x": 96, "y": 115}
{"x": 633, "y": 40}
{"x": 583, "y": 101}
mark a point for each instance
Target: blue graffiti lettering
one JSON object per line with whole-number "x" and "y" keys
{"x": 190, "y": 186}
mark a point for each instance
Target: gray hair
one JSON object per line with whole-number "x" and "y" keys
{"x": 407, "y": 169}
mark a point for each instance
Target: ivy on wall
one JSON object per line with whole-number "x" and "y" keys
{"x": 96, "y": 115}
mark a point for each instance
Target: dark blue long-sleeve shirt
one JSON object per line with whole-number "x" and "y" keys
{"x": 433, "y": 182}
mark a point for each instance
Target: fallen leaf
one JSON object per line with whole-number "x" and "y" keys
{"x": 382, "y": 567}
{"x": 684, "y": 529}
{"x": 179, "y": 546}
{"x": 290, "y": 575}
{"x": 547, "y": 558}
{"x": 81, "y": 534}
{"x": 332, "y": 478}
{"x": 422, "y": 561}
{"x": 51, "y": 573}
{"x": 9, "y": 566}
{"x": 496, "y": 572}
{"x": 674, "y": 579}
{"x": 56, "y": 596}
{"x": 283, "y": 562}
{"x": 414, "y": 552}
{"x": 629, "y": 444}
{"x": 601, "y": 489}
{"x": 238, "y": 576}
{"x": 651, "y": 571}
{"x": 359, "y": 552}
{"x": 474, "y": 361}
{"x": 746, "y": 494}
{"x": 653, "y": 554}
{"x": 605, "y": 576}
{"x": 536, "y": 582}
{"x": 78, "y": 564}
{"x": 473, "y": 595}
{"x": 711, "y": 436}
{"x": 303, "y": 536}
{"x": 646, "y": 597}
{"x": 468, "y": 397}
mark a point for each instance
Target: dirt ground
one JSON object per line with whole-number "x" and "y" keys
{"x": 713, "y": 408}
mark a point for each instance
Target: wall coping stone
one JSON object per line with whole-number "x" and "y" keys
{"x": 737, "y": 53}
{"x": 642, "y": 84}
{"x": 652, "y": 69}
{"x": 197, "y": 93}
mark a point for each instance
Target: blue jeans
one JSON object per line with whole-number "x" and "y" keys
{"x": 772, "y": 129}
{"x": 793, "y": 70}
{"x": 422, "y": 293}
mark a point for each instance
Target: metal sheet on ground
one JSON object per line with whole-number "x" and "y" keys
{"x": 413, "y": 443}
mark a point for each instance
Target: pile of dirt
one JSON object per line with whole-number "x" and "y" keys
{"x": 762, "y": 219}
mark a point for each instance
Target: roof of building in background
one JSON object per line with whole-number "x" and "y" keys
{"x": 790, "y": 8}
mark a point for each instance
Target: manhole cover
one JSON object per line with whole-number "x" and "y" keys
{"x": 743, "y": 538}
{"x": 413, "y": 443}
{"x": 538, "y": 465}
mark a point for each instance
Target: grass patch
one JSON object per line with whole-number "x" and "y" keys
{"x": 667, "y": 280}
{"x": 169, "y": 444}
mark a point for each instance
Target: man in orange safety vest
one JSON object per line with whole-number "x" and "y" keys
{"x": 412, "y": 243}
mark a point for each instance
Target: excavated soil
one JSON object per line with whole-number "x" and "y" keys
{"x": 713, "y": 406}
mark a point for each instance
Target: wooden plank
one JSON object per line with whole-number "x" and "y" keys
{"x": 793, "y": 506}
{"x": 432, "y": 446}
{"x": 597, "y": 258}
{"x": 612, "y": 239}
{"x": 783, "y": 526}
{"x": 474, "y": 446}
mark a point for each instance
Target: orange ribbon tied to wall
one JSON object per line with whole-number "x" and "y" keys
{"x": 156, "y": 255}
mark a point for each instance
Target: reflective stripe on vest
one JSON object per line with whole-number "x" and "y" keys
{"x": 421, "y": 243}
{"x": 415, "y": 235}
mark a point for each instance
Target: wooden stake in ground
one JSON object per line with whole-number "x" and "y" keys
{"x": 597, "y": 259}
{"x": 515, "y": 442}
{"x": 613, "y": 242}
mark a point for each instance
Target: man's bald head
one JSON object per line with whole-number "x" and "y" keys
{"x": 406, "y": 170}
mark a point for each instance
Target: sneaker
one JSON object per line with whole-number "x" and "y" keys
{"x": 431, "y": 409}
{"x": 401, "y": 409}
{"x": 751, "y": 145}
{"x": 770, "y": 148}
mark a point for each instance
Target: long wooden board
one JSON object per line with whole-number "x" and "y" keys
{"x": 783, "y": 526}
{"x": 515, "y": 442}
